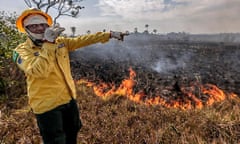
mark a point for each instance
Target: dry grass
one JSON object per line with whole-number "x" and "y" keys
{"x": 118, "y": 120}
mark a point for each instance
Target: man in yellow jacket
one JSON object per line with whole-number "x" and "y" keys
{"x": 44, "y": 58}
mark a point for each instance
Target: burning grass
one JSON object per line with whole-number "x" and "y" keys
{"x": 196, "y": 95}
{"x": 119, "y": 120}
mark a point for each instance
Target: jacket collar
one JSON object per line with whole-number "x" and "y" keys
{"x": 31, "y": 44}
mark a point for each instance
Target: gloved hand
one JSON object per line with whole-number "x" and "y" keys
{"x": 118, "y": 35}
{"x": 53, "y": 32}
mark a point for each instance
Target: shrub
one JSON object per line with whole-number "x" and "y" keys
{"x": 12, "y": 83}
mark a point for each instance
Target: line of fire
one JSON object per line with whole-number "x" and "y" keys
{"x": 187, "y": 100}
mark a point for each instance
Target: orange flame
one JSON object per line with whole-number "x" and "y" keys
{"x": 190, "y": 100}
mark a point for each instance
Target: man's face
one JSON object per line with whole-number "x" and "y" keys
{"x": 37, "y": 28}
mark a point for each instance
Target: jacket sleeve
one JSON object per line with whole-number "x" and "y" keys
{"x": 85, "y": 40}
{"x": 37, "y": 64}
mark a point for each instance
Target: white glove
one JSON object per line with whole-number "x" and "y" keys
{"x": 117, "y": 35}
{"x": 53, "y": 32}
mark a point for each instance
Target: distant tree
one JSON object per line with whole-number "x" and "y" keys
{"x": 88, "y": 31}
{"x": 63, "y": 7}
{"x": 154, "y": 31}
{"x": 146, "y": 30}
{"x": 146, "y": 26}
{"x": 73, "y": 29}
{"x": 104, "y": 30}
{"x": 135, "y": 30}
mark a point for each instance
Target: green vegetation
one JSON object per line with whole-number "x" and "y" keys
{"x": 12, "y": 79}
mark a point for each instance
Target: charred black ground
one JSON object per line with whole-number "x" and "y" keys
{"x": 162, "y": 67}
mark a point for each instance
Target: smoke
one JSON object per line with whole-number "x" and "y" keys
{"x": 138, "y": 50}
{"x": 166, "y": 64}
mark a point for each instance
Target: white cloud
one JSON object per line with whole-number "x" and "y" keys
{"x": 194, "y": 16}
{"x": 129, "y": 8}
{"x": 146, "y": 9}
{"x": 177, "y": 15}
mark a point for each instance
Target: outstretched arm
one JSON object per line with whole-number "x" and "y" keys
{"x": 85, "y": 40}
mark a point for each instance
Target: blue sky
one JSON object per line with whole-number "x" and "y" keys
{"x": 192, "y": 16}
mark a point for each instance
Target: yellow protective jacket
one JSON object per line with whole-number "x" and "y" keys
{"x": 47, "y": 69}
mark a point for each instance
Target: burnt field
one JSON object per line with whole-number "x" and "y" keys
{"x": 169, "y": 69}
{"x": 164, "y": 74}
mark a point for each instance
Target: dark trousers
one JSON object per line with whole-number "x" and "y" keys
{"x": 60, "y": 125}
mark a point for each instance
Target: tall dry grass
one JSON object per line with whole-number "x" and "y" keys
{"x": 118, "y": 120}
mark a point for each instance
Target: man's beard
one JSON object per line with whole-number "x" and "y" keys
{"x": 36, "y": 38}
